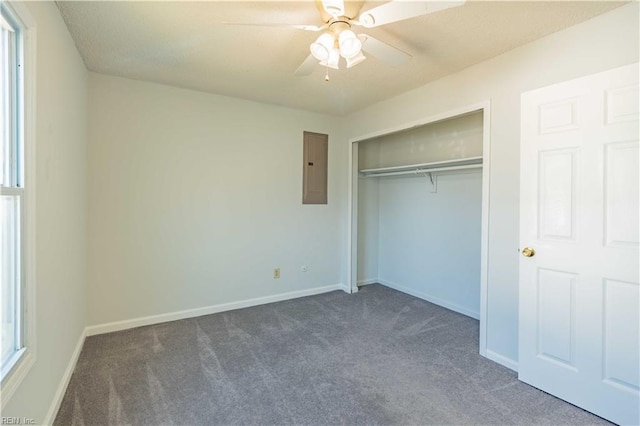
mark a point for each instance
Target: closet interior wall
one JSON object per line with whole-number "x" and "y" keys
{"x": 416, "y": 236}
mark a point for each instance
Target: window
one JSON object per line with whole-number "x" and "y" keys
{"x": 14, "y": 203}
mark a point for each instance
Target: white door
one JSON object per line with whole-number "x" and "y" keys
{"x": 579, "y": 317}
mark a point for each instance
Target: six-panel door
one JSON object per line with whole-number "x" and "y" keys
{"x": 579, "y": 294}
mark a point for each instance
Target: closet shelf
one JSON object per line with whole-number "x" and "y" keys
{"x": 437, "y": 166}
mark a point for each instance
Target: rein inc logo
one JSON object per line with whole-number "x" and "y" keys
{"x": 17, "y": 421}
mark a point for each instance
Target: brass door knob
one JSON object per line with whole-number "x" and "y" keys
{"x": 528, "y": 252}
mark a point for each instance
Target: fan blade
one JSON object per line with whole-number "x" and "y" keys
{"x": 306, "y": 67}
{"x": 267, "y": 24}
{"x": 383, "y": 51}
{"x": 334, "y": 8}
{"x": 398, "y": 10}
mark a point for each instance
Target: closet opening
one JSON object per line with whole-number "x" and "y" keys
{"x": 419, "y": 204}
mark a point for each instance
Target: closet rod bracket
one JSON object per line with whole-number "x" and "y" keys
{"x": 432, "y": 177}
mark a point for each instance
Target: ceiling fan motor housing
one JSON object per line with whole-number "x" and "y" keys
{"x": 337, "y": 25}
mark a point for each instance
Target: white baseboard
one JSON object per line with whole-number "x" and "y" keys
{"x": 155, "y": 319}
{"x": 489, "y": 354}
{"x": 368, "y": 281}
{"x": 64, "y": 381}
{"x": 502, "y": 360}
{"x": 190, "y": 313}
{"x": 429, "y": 298}
{"x": 207, "y": 310}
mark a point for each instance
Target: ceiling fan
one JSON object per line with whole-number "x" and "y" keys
{"x": 338, "y": 39}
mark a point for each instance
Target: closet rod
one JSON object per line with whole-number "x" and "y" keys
{"x": 424, "y": 171}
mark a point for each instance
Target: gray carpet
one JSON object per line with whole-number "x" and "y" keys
{"x": 376, "y": 357}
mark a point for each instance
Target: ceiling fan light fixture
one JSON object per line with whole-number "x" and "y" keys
{"x": 319, "y": 51}
{"x": 321, "y": 48}
{"x": 355, "y": 60}
{"x": 349, "y": 44}
{"x": 333, "y": 61}
{"x": 334, "y": 8}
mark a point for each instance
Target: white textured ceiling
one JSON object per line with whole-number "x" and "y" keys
{"x": 184, "y": 44}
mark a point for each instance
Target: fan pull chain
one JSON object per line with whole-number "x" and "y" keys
{"x": 326, "y": 76}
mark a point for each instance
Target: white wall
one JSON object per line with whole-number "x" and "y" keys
{"x": 429, "y": 243}
{"x": 604, "y": 42}
{"x": 368, "y": 226}
{"x": 61, "y": 137}
{"x": 194, "y": 199}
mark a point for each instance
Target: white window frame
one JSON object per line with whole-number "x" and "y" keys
{"x": 23, "y": 360}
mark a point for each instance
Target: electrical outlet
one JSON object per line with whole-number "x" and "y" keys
{"x": 276, "y": 273}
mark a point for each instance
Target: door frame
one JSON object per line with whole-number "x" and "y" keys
{"x": 352, "y": 228}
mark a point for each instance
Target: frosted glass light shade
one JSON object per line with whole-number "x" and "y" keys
{"x": 355, "y": 60}
{"x": 349, "y": 44}
{"x": 333, "y": 60}
{"x": 322, "y": 46}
